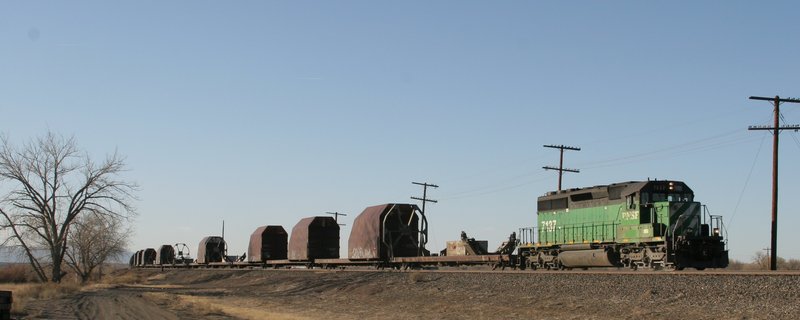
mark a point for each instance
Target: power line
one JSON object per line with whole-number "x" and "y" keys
{"x": 776, "y": 130}
{"x": 703, "y": 143}
{"x": 746, "y": 182}
{"x": 794, "y": 137}
{"x": 502, "y": 184}
{"x": 485, "y": 191}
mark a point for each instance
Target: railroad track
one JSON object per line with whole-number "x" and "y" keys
{"x": 483, "y": 270}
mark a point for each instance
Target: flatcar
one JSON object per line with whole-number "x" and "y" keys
{"x": 654, "y": 224}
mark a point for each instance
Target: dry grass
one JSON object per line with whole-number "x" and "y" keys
{"x": 125, "y": 277}
{"x": 15, "y": 273}
{"x": 209, "y": 306}
{"x": 24, "y": 293}
{"x": 415, "y": 277}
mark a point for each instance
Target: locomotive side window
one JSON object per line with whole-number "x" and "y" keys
{"x": 553, "y": 204}
{"x": 644, "y": 215}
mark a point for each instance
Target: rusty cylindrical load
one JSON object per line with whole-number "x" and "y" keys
{"x": 211, "y": 249}
{"x": 314, "y": 238}
{"x": 587, "y": 258}
{"x": 165, "y": 255}
{"x": 149, "y": 256}
{"x": 267, "y": 243}
{"x": 388, "y": 231}
{"x": 140, "y": 258}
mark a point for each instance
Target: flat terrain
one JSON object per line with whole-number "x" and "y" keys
{"x": 312, "y": 294}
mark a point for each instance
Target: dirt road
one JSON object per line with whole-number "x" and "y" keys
{"x": 281, "y": 294}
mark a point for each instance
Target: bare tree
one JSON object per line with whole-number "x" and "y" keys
{"x": 48, "y": 184}
{"x": 761, "y": 259}
{"x": 92, "y": 241}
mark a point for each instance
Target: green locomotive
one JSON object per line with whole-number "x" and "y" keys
{"x": 653, "y": 224}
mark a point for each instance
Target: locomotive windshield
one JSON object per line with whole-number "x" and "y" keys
{"x": 648, "y": 197}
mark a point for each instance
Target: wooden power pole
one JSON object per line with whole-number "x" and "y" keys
{"x": 424, "y": 198}
{"x": 336, "y": 217}
{"x": 561, "y": 168}
{"x": 776, "y": 130}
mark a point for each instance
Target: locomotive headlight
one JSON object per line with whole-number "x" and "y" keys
{"x": 716, "y": 231}
{"x": 671, "y": 186}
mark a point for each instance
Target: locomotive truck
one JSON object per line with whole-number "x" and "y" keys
{"x": 653, "y": 224}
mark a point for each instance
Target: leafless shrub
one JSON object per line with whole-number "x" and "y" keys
{"x": 94, "y": 240}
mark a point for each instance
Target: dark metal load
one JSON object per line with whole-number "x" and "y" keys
{"x": 211, "y": 249}
{"x": 267, "y": 243}
{"x": 388, "y": 231}
{"x": 165, "y": 255}
{"x": 137, "y": 258}
{"x": 149, "y": 256}
{"x": 314, "y": 238}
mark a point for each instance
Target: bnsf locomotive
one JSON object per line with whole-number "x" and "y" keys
{"x": 655, "y": 224}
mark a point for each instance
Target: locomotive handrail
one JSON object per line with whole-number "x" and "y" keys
{"x": 572, "y": 232}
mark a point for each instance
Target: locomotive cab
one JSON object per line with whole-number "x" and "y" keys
{"x": 681, "y": 225}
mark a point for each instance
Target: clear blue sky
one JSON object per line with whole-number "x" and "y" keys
{"x": 267, "y": 112}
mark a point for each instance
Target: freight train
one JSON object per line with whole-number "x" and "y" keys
{"x": 655, "y": 224}
{"x": 391, "y": 235}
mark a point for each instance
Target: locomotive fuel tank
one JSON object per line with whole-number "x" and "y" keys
{"x": 588, "y": 258}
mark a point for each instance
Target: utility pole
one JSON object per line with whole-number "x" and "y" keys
{"x": 423, "y": 234}
{"x": 776, "y": 130}
{"x": 561, "y": 168}
{"x": 424, "y": 198}
{"x": 336, "y": 217}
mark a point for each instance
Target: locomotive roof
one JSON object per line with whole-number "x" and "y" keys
{"x": 617, "y": 189}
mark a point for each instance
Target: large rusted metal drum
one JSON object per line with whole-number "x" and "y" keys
{"x": 140, "y": 258}
{"x": 267, "y": 243}
{"x": 314, "y": 238}
{"x": 165, "y": 255}
{"x": 211, "y": 249}
{"x": 149, "y": 256}
{"x": 388, "y": 231}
